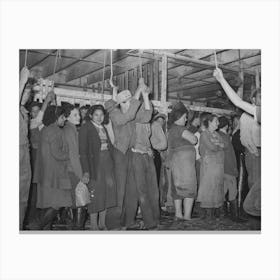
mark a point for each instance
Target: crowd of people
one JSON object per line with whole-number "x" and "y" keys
{"x": 133, "y": 161}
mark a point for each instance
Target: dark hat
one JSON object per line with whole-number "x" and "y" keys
{"x": 223, "y": 121}
{"x": 178, "y": 110}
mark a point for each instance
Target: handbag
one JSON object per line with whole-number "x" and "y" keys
{"x": 82, "y": 195}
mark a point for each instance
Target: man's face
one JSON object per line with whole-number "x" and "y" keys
{"x": 34, "y": 111}
{"x": 125, "y": 106}
{"x": 83, "y": 113}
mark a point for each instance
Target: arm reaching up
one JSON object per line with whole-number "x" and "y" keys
{"x": 232, "y": 95}
{"x": 24, "y": 74}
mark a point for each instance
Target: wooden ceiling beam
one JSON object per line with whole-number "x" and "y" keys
{"x": 197, "y": 61}
{"x": 41, "y": 60}
{"x": 208, "y": 75}
{"x": 229, "y": 63}
{"x": 65, "y": 56}
{"x": 120, "y": 56}
{"x": 83, "y": 58}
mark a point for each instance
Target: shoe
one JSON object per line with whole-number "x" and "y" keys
{"x": 178, "y": 219}
{"x": 81, "y": 218}
{"x": 48, "y": 219}
{"x": 136, "y": 226}
{"x": 234, "y": 214}
{"x": 208, "y": 214}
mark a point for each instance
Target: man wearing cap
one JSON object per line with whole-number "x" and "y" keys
{"x": 122, "y": 111}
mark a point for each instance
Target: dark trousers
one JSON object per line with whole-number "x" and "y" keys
{"x": 253, "y": 166}
{"x": 114, "y": 214}
{"x": 252, "y": 203}
{"x": 141, "y": 188}
{"x": 32, "y": 211}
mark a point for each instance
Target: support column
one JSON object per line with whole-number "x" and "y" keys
{"x": 126, "y": 80}
{"x": 155, "y": 74}
{"x": 258, "y": 84}
{"x": 163, "y": 79}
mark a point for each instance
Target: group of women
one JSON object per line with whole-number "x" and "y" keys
{"x": 111, "y": 151}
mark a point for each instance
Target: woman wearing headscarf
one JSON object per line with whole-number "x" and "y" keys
{"x": 95, "y": 150}
{"x": 211, "y": 148}
{"x": 182, "y": 162}
{"x": 51, "y": 172}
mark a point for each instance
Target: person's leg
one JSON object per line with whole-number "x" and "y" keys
{"x": 188, "y": 205}
{"x": 249, "y": 158}
{"x": 178, "y": 208}
{"x": 252, "y": 203}
{"x": 152, "y": 188}
{"x": 22, "y": 211}
{"x": 208, "y": 214}
{"x": 169, "y": 200}
{"x": 32, "y": 211}
{"x": 48, "y": 217}
{"x": 101, "y": 220}
{"x": 141, "y": 173}
{"x": 93, "y": 221}
{"x": 131, "y": 195}
{"x": 24, "y": 182}
{"x": 114, "y": 214}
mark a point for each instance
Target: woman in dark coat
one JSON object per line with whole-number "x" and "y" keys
{"x": 51, "y": 175}
{"x": 95, "y": 155}
{"x": 74, "y": 166}
{"x": 182, "y": 162}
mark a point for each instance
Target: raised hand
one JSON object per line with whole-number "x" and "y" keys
{"x": 218, "y": 74}
{"x": 24, "y": 74}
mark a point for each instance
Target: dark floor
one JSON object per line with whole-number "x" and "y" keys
{"x": 167, "y": 223}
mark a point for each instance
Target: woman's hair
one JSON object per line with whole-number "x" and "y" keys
{"x": 177, "y": 112}
{"x": 52, "y": 113}
{"x": 208, "y": 118}
{"x": 68, "y": 108}
{"x": 223, "y": 121}
{"x": 85, "y": 107}
{"x": 94, "y": 108}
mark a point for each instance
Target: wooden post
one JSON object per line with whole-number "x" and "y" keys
{"x": 163, "y": 79}
{"x": 145, "y": 73}
{"x": 258, "y": 84}
{"x": 155, "y": 74}
{"x": 126, "y": 79}
{"x": 135, "y": 80}
{"x": 151, "y": 77}
{"x": 240, "y": 90}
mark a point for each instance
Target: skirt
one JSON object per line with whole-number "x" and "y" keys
{"x": 183, "y": 173}
{"x": 211, "y": 187}
{"x": 104, "y": 188}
